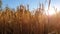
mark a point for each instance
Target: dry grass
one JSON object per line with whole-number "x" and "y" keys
{"x": 22, "y": 21}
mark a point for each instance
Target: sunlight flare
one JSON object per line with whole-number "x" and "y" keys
{"x": 50, "y": 12}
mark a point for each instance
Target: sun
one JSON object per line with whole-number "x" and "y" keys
{"x": 50, "y": 12}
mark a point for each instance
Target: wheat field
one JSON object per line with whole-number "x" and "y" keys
{"x": 22, "y": 21}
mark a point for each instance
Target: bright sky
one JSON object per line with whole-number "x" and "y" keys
{"x": 33, "y": 4}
